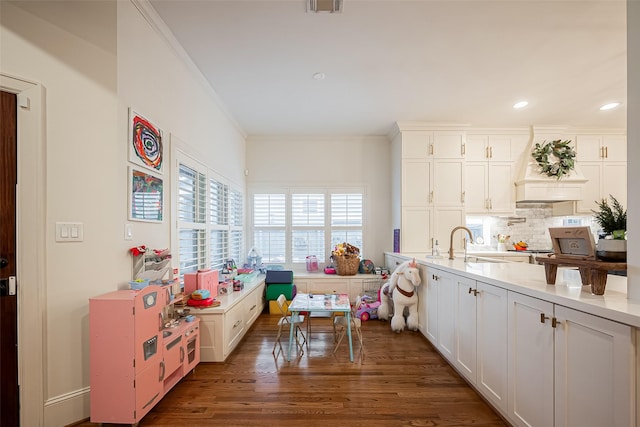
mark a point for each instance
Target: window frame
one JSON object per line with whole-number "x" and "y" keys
{"x": 288, "y": 228}
{"x": 208, "y": 226}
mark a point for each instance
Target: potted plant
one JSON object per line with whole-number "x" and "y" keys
{"x": 612, "y": 245}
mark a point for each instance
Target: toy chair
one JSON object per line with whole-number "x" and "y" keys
{"x": 340, "y": 328}
{"x": 287, "y": 321}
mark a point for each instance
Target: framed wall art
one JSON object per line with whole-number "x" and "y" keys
{"x": 146, "y": 196}
{"x": 145, "y": 142}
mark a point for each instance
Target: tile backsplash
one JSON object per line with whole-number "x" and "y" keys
{"x": 531, "y": 224}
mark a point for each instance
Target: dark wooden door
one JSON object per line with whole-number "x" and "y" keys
{"x": 9, "y": 401}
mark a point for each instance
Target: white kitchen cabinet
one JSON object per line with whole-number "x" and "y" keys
{"x": 568, "y": 368}
{"x": 417, "y": 175}
{"x": 602, "y": 160}
{"x": 465, "y": 337}
{"x": 530, "y": 360}
{"x": 428, "y": 174}
{"x": 594, "y": 371}
{"x": 491, "y": 348}
{"x": 432, "y": 284}
{"x": 481, "y": 338}
{"x": 448, "y": 188}
{"x": 446, "y": 303}
{"x": 490, "y": 172}
{"x": 423, "y": 299}
{"x": 445, "y": 220}
{"x": 448, "y": 144}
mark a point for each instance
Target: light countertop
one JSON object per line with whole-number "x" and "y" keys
{"x": 529, "y": 279}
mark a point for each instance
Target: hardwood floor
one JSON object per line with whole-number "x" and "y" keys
{"x": 402, "y": 381}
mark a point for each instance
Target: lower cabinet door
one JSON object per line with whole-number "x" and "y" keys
{"x": 595, "y": 374}
{"x": 492, "y": 349}
{"x": 530, "y": 360}
{"x": 233, "y": 328}
{"x": 149, "y": 388}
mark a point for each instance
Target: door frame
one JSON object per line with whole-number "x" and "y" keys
{"x": 31, "y": 245}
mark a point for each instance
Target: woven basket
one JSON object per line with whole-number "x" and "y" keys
{"x": 347, "y": 266}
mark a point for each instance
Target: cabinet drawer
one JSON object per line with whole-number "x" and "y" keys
{"x": 251, "y": 308}
{"x": 329, "y": 286}
{"x": 233, "y": 328}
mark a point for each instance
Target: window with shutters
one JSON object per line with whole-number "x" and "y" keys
{"x": 210, "y": 216}
{"x": 290, "y": 224}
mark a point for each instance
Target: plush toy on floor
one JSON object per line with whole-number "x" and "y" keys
{"x": 401, "y": 289}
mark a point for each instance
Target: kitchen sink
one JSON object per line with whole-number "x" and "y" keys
{"x": 166, "y": 334}
{"x": 480, "y": 259}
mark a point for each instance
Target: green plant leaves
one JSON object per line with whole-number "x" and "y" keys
{"x": 555, "y": 158}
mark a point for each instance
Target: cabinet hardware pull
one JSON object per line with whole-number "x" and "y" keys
{"x": 181, "y": 354}
{"x": 491, "y": 152}
{"x": 463, "y": 149}
{"x": 601, "y": 152}
{"x": 606, "y": 152}
{"x": 161, "y": 371}
{"x": 431, "y": 149}
{"x": 554, "y": 322}
{"x": 431, "y": 196}
{"x": 464, "y": 193}
{"x": 543, "y": 317}
{"x": 236, "y": 324}
{"x": 475, "y": 292}
{"x": 434, "y": 277}
{"x": 490, "y": 204}
{"x": 486, "y": 152}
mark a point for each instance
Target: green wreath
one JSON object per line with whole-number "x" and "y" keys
{"x": 561, "y": 151}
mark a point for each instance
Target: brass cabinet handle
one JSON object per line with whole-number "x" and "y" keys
{"x": 543, "y": 317}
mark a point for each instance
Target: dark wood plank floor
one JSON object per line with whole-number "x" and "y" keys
{"x": 402, "y": 381}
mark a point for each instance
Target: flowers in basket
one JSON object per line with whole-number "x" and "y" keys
{"x": 346, "y": 250}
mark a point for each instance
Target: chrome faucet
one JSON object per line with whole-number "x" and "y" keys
{"x": 451, "y": 238}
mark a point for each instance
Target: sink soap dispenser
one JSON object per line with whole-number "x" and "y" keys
{"x": 436, "y": 249}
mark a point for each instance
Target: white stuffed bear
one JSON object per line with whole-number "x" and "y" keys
{"x": 401, "y": 289}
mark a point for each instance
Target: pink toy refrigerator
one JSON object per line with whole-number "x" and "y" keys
{"x": 126, "y": 354}
{"x": 202, "y": 279}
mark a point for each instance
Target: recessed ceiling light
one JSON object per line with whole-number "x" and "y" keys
{"x": 319, "y": 76}
{"x": 609, "y": 106}
{"x": 520, "y": 104}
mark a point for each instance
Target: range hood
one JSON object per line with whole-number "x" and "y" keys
{"x": 532, "y": 186}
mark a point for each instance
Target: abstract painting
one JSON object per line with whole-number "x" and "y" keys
{"x": 145, "y": 196}
{"x": 145, "y": 142}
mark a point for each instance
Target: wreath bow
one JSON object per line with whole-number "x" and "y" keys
{"x": 555, "y": 159}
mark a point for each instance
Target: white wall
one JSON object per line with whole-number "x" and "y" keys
{"x": 633, "y": 147}
{"x": 331, "y": 162}
{"x": 95, "y": 59}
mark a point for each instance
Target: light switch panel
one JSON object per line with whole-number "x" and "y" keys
{"x": 69, "y": 232}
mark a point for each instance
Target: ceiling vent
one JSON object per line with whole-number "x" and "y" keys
{"x": 332, "y": 6}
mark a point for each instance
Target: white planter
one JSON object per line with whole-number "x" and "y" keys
{"x": 612, "y": 250}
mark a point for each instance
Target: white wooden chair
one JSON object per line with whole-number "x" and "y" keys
{"x": 340, "y": 328}
{"x": 285, "y": 324}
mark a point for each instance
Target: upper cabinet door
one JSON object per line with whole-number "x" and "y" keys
{"x": 477, "y": 148}
{"x": 500, "y": 149}
{"x": 448, "y": 144}
{"x": 589, "y": 148}
{"x": 417, "y": 145}
{"x": 615, "y": 148}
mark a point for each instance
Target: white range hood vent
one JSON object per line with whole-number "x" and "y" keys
{"x": 532, "y": 186}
